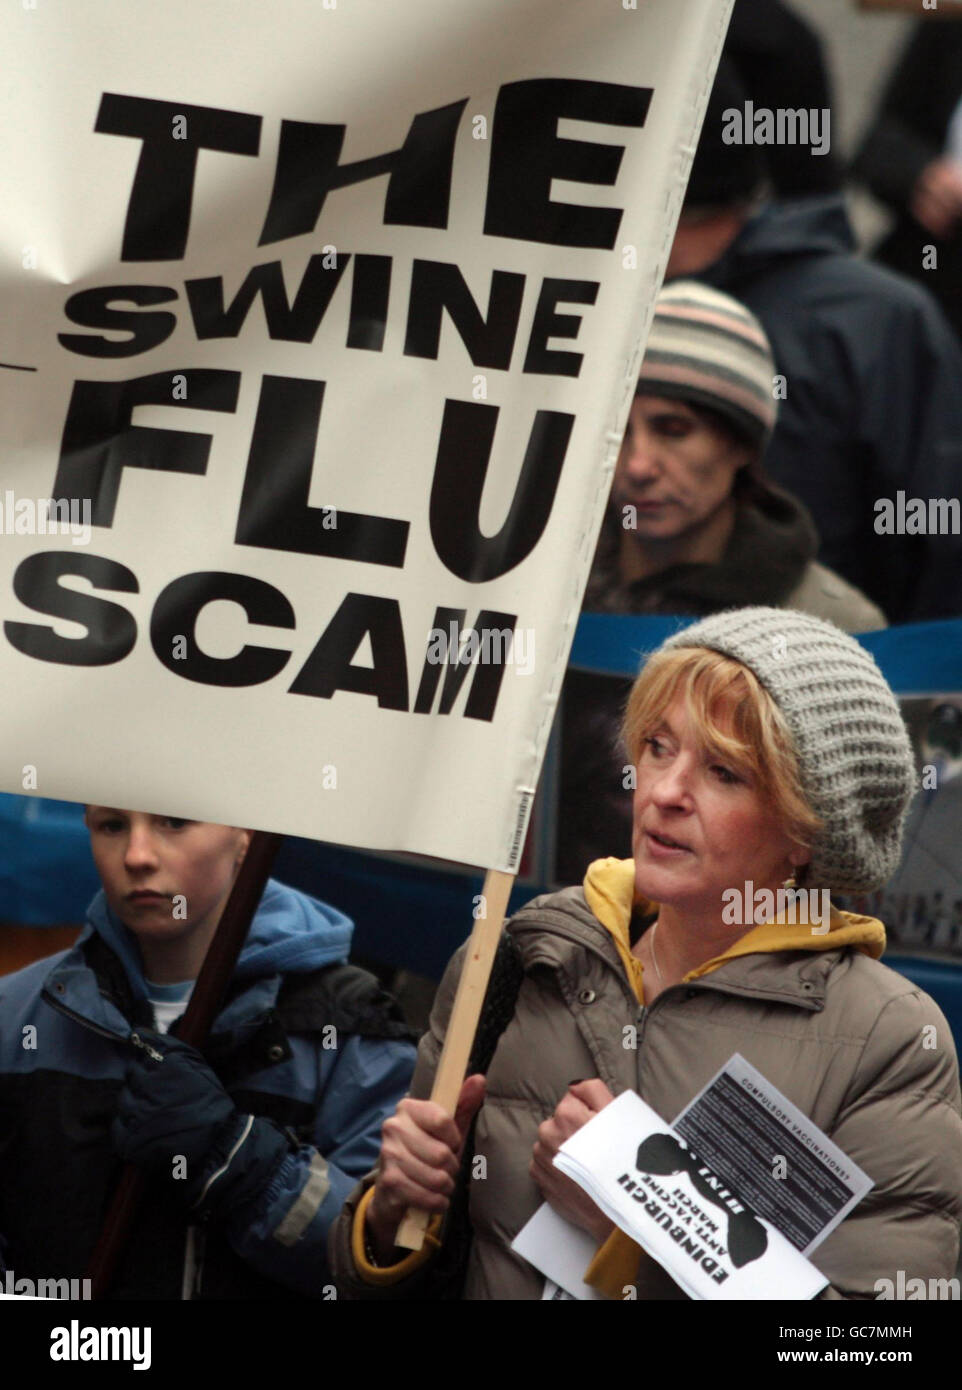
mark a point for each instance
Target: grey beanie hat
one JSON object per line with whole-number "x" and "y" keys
{"x": 855, "y": 759}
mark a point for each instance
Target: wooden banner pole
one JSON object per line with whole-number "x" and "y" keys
{"x": 205, "y": 1002}
{"x": 463, "y": 1024}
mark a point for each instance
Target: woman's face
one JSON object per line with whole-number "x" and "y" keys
{"x": 700, "y": 825}
{"x": 674, "y": 468}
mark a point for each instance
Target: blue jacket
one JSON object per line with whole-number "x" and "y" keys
{"x": 303, "y": 1039}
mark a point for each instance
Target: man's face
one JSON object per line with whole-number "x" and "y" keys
{"x": 674, "y": 468}
{"x": 166, "y": 879}
{"x": 702, "y": 236}
{"x": 700, "y": 825}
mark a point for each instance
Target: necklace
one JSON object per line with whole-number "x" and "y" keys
{"x": 654, "y": 958}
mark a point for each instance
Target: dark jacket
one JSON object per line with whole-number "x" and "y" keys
{"x": 908, "y": 134}
{"x": 769, "y": 559}
{"x": 64, "y": 1025}
{"x": 874, "y": 398}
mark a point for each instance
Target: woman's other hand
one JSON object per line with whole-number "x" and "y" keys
{"x": 420, "y": 1157}
{"x": 580, "y": 1103}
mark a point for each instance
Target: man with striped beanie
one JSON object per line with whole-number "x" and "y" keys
{"x": 693, "y": 524}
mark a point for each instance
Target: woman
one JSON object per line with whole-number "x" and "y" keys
{"x": 767, "y": 747}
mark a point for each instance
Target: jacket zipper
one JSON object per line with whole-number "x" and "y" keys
{"x": 644, "y": 1011}
{"x": 84, "y": 1022}
{"x": 151, "y": 1052}
{"x": 193, "y": 1267}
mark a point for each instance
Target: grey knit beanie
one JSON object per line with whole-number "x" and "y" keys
{"x": 855, "y": 758}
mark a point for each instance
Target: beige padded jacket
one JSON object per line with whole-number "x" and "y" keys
{"x": 861, "y": 1050}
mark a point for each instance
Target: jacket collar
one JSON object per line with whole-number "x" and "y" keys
{"x": 784, "y": 231}
{"x": 91, "y": 983}
{"x": 553, "y": 930}
{"x": 100, "y": 999}
{"x": 772, "y": 542}
{"x": 610, "y": 893}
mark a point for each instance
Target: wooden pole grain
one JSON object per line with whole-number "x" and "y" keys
{"x": 463, "y": 1024}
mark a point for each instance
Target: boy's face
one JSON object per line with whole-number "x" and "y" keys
{"x": 166, "y": 879}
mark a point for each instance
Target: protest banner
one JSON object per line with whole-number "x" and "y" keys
{"x": 320, "y": 343}
{"x": 320, "y": 336}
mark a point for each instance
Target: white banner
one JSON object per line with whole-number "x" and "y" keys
{"x": 321, "y": 324}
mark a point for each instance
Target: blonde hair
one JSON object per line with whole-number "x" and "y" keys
{"x": 735, "y": 719}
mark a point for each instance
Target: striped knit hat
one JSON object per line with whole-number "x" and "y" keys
{"x": 707, "y": 348}
{"x": 854, "y": 754}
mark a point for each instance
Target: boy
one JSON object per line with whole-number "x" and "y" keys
{"x": 250, "y": 1149}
